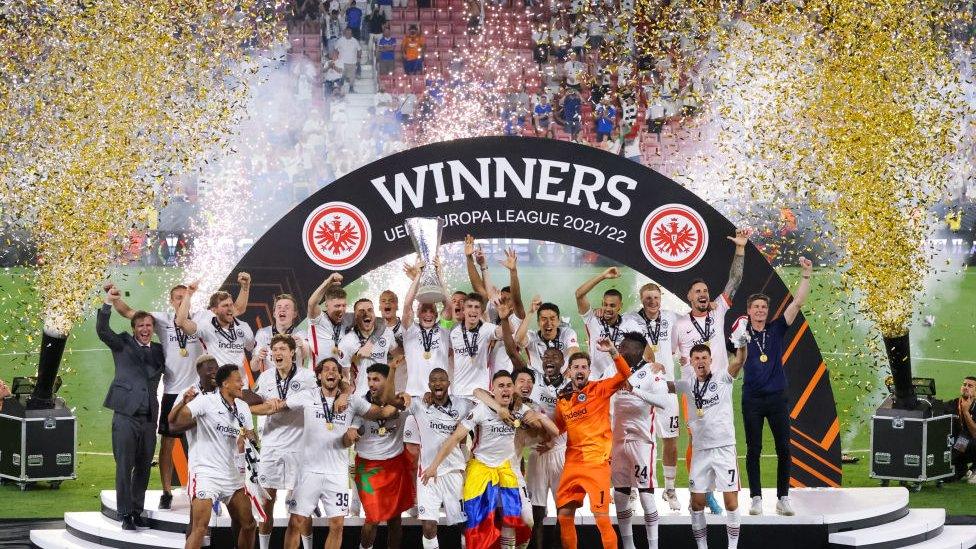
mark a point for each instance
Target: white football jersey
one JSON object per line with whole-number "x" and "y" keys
{"x": 322, "y": 449}
{"x": 471, "y": 370}
{"x": 283, "y": 430}
{"x": 227, "y": 345}
{"x": 544, "y": 396}
{"x": 214, "y": 448}
{"x": 659, "y": 329}
{"x": 565, "y": 339}
{"x": 417, "y": 343}
{"x": 633, "y": 418}
{"x": 324, "y": 336}
{"x": 379, "y": 439}
{"x": 688, "y": 332}
{"x": 181, "y": 371}
{"x": 436, "y": 424}
{"x": 715, "y": 428}
{"x": 601, "y": 365}
{"x": 494, "y": 440}
{"x": 262, "y": 340}
{"x": 350, "y": 345}
{"x": 499, "y": 359}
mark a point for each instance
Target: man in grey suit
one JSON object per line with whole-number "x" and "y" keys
{"x": 139, "y": 364}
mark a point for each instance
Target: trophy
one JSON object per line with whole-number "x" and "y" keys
{"x": 425, "y": 233}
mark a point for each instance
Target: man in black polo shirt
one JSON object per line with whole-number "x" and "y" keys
{"x": 764, "y": 389}
{"x": 964, "y": 430}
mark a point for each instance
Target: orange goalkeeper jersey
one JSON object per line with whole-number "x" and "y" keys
{"x": 585, "y": 417}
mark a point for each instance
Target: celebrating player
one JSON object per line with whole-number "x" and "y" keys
{"x": 368, "y": 342}
{"x": 426, "y": 344}
{"x": 220, "y": 333}
{"x": 546, "y": 459}
{"x": 281, "y": 433}
{"x": 326, "y": 327}
{"x": 221, "y": 421}
{"x": 284, "y": 321}
{"x": 657, "y": 325}
{"x": 583, "y": 413}
{"x": 490, "y": 481}
{"x": 550, "y": 335}
{"x": 470, "y": 341}
{"x": 603, "y": 322}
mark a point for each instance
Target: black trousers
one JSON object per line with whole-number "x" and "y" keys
{"x": 133, "y": 444}
{"x": 964, "y": 461}
{"x": 773, "y": 408}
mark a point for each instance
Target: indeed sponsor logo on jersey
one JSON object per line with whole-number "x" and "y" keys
{"x": 442, "y": 427}
{"x": 338, "y": 418}
{"x": 710, "y": 402}
{"x": 227, "y": 430}
{"x": 231, "y": 345}
{"x": 576, "y": 414}
{"x": 549, "y": 401}
{"x": 503, "y": 429}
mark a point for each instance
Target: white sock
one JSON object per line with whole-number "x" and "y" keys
{"x": 264, "y": 541}
{"x": 650, "y": 518}
{"x": 306, "y": 542}
{"x": 508, "y": 537}
{"x": 670, "y": 472}
{"x": 625, "y": 516}
{"x": 732, "y": 528}
{"x": 699, "y": 529}
{"x": 429, "y": 543}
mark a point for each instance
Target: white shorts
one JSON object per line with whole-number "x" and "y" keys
{"x": 442, "y": 490}
{"x": 633, "y": 464}
{"x": 714, "y": 469}
{"x": 667, "y": 420}
{"x": 542, "y": 474}
{"x": 278, "y": 470}
{"x": 202, "y": 487}
{"x": 411, "y": 431}
{"x": 331, "y": 489}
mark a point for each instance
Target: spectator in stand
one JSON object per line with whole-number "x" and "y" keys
{"x": 578, "y": 41}
{"x": 574, "y": 70}
{"x": 331, "y": 31}
{"x": 386, "y": 6}
{"x": 601, "y": 86}
{"x": 413, "y": 51}
{"x": 572, "y": 115}
{"x": 407, "y": 108}
{"x": 348, "y": 49}
{"x": 559, "y": 39}
{"x": 354, "y": 19}
{"x": 542, "y": 117}
{"x": 385, "y": 52}
{"x": 596, "y": 30}
{"x": 383, "y": 102}
{"x": 306, "y": 9}
{"x": 332, "y": 75}
{"x": 540, "y": 43}
{"x": 472, "y": 12}
{"x": 629, "y": 129}
{"x": 604, "y": 117}
{"x": 375, "y": 23}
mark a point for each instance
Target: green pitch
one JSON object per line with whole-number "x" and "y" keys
{"x": 946, "y": 352}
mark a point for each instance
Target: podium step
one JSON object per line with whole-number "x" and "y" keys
{"x": 952, "y": 537}
{"x": 96, "y": 528}
{"x": 917, "y": 526}
{"x": 59, "y": 539}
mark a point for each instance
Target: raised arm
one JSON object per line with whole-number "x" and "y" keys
{"x": 180, "y": 419}
{"x": 511, "y": 263}
{"x": 102, "y": 327}
{"x": 313, "y": 300}
{"x": 460, "y": 433}
{"x": 740, "y": 240}
{"x": 504, "y": 311}
{"x": 447, "y": 311}
{"x": 801, "y": 293}
{"x": 121, "y": 306}
{"x": 477, "y": 284}
{"x": 183, "y": 311}
{"x": 240, "y": 304}
{"x": 523, "y": 329}
{"x": 389, "y": 396}
{"x": 738, "y": 360}
{"x": 406, "y": 316}
{"x": 541, "y": 425}
{"x": 583, "y": 302}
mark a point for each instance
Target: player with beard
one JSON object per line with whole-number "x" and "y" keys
{"x": 435, "y": 422}
{"x": 490, "y": 482}
{"x": 220, "y": 333}
{"x": 550, "y": 335}
{"x": 326, "y": 437}
{"x": 602, "y": 322}
{"x": 657, "y": 325}
{"x": 181, "y": 351}
{"x": 583, "y": 413}
{"x": 221, "y": 421}
{"x": 368, "y": 342}
{"x": 385, "y": 473}
{"x": 715, "y": 462}
{"x": 284, "y": 320}
{"x": 281, "y": 434}
{"x": 634, "y": 450}
{"x": 705, "y": 325}
{"x": 470, "y": 342}
{"x": 326, "y": 327}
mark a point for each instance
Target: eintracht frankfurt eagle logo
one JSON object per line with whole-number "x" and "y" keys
{"x": 336, "y": 235}
{"x": 674, "y": 238}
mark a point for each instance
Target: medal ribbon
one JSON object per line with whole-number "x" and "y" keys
{"x": 471, "y": 347}
{"x": 181, "y": 337}
{"x": 655, "y": 334}
{"x": 612, "y": 336}
{"x": 699, "y": 393}
{"x": 329, "y": 411}
{"x": 274, "y": 329}
{"x": 283, "y": 391}
{"x": 761, "y": 344}
{"x": 554, "y": 343}
{"x": 427, "y": 339}
{"x": 336, "y": 329}
{"x": 706, "y": 334}
{"x": 229, "y": 336}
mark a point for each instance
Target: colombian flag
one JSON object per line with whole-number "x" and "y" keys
{"x": 485, "y": 489}
{"x": 386, "y": 486}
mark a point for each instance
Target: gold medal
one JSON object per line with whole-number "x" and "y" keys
{"x": 427, "y": 355}
{"x": 653, "y": 348}
{"x": 763, "y": 357}
{"x": 517, "y": 423}
{"x": 183, "y": 352}
{"x": 701, "y": 413}
{"x": 335, "y": 351}
{"x": 381, "y": 431}
{"x": 330, "y": 426}
{"x": 708, "y": 344}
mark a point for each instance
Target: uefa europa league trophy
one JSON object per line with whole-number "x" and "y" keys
{"x": 425, "y": 233}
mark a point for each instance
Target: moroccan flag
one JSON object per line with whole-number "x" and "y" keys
{"x": 485, "y": 489}
{"x": 386, "y": 486}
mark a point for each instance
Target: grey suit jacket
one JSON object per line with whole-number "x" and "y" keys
{"x": 136, "y": 375}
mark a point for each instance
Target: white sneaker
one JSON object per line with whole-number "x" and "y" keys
{"x": 671, "y": 497}
{"x": 756, "y": 507}
{"x": 783, "y": 507}
{"x": 972, "y": 478}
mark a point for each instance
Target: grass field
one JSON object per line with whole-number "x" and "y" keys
{"x": 946, "y": 352}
